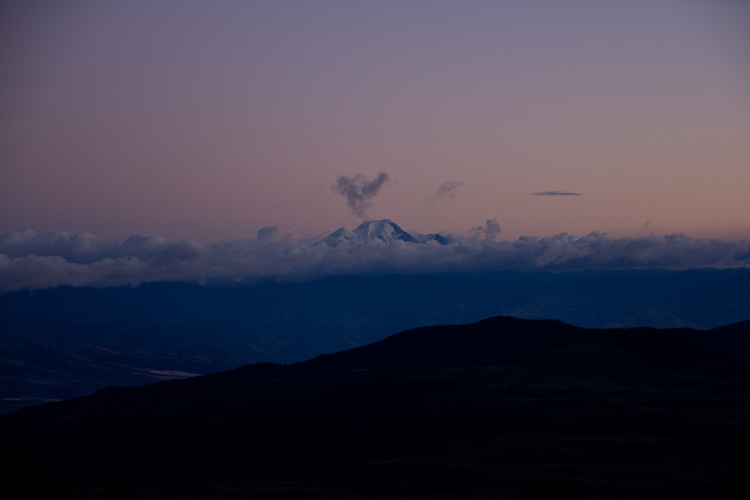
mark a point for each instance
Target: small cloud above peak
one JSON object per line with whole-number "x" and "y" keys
{"x": 555, "y": 193}
{"x": 359, "y": 191}
{"x": 446, "y": 191}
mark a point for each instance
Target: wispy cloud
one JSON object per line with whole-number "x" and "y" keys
{"x": 555, "y": 193}
{"x": 31, "y": 260}
{"x": 358, "y": 191}
{"x": 490, "y": 230}
{"x": 446, "y": 191}
{"x": 275, "y": 233}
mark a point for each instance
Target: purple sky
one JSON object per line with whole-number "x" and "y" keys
{"x": 213, "y": 119}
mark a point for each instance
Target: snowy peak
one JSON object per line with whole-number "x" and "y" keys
{"x": 383, "y": 230}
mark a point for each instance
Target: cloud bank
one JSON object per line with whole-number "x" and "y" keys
{"x": 31, "y": 260}
{"x": 358, "y": 191}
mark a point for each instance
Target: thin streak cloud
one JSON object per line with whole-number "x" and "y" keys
{"x": 556, "y": 193}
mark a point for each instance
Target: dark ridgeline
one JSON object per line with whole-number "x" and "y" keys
{"x": 503, "y": 408}
{"x": 68, "y": 342}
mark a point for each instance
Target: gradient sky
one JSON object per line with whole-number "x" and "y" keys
{"x": 213, "y": 119}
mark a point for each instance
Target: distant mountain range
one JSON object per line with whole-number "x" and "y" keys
{"x": 385, "y": 231}
{"x": 503, "y": 408}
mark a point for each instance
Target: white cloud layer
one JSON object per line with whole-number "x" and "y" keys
{"x": 31, "y": 260}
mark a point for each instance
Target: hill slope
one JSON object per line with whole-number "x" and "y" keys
{"x": 502, "y": 407}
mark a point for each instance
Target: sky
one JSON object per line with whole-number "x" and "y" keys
{"x": 212, "y": 120}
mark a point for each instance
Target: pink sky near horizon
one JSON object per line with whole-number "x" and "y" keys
{"x": 211, "y": 120}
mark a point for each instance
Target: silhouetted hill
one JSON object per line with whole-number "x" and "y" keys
{"x": 491, "y": 337}
{"x": 741, "y": 329}
{"x": 504, "y": 407}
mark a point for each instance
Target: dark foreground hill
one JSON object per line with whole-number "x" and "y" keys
{"x": 503, "y": 408}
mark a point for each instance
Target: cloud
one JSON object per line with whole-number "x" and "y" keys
{"x": 446, "y": 191}
{"x": 490, "y": 230}
{"x": 555, "y": 193}
{"x": 84, "y": 248}
{"x": 268, "y": 233}
{"x": 358, "y": 192}
{"x": 275, "y": 233}
{"x": 31, "y": 260}
{"x": 493, "y": 229}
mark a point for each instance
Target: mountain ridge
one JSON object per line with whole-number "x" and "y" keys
{"x": 503, "y": 405}
{"x": 480, "y": 341}
{"x": 383, "y": 230}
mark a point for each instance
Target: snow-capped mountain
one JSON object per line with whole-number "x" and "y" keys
{"x": 383, "y": 230}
